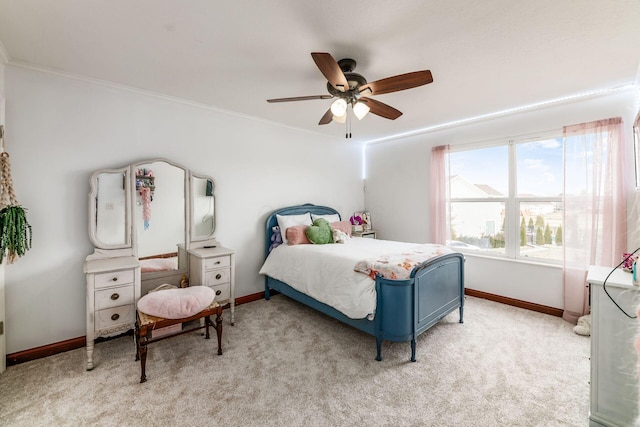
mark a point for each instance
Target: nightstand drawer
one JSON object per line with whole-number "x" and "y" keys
{"x": 223, "y": 292}
{"x": 113, "y": 278}
{"x": 113, "y": 297}
{"x": 217, "y": 262}
{"x": 115, "y": 316}
{"x": 216, "y": 277}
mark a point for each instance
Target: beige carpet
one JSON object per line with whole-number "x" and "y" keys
{"x": 285, "y": 364}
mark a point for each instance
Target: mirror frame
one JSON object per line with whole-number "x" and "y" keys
{"x": 93, "y": 194}
{"x": 192, "y": 227}
{"x": 129, "y": 248}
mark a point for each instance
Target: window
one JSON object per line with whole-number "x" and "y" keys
{"x": 506, "y": 199}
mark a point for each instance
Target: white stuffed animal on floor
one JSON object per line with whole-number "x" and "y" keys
{"x": 584, "y": 326}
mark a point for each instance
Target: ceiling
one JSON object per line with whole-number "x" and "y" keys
{"x": 485, "y": 56}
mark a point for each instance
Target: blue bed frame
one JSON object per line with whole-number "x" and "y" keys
{"x": 404, "y": 308}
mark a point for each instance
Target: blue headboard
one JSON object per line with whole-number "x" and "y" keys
{"x": 272, "y": 221}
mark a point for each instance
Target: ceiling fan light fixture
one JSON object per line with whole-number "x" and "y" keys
{"x": 340, "y": 119}
{"x": 339, "y": 107}
{"x": 360, "y": 110}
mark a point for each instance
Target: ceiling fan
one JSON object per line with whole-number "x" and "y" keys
{"x": 352, "y": 89}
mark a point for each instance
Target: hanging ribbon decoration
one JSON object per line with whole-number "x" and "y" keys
{"x": 145, "y": 193}
{"x": 15, "y": 231}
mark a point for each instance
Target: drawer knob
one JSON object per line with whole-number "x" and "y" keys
{"x": 115, "y": 296}
{"x": 115, "y": 317}
{"x": 218, "y": 276}
{"x": 217, "y": 262}
{"x": 218, "y": 292}
{"x": 115, "y": 279}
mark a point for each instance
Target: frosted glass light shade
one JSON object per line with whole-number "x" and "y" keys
{"x": 339, "y": 107}
{"x": 340, "y": 119}
{"x": 360, "y": 109}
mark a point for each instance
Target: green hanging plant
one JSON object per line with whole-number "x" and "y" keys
{"x": 15, "y": 231}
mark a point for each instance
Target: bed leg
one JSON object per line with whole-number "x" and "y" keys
{"x": 461, "y": 314}
{"x": 379, "y": 349}
{"x": 267, "y": 293}
{"x": 413, "y": 350}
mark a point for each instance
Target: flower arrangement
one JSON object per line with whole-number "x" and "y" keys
{"x": 628, "y": 260}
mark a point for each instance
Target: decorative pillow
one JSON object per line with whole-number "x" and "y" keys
{"x": 329, "y": 217}
{"x": 339, "y": 236}
{"x": 177, "y": 303}
{"x": 286, "y": 221}
{"x": 344, "y": 226}
{"x": 296, "y": 235}
{"x": 320, "y": 232}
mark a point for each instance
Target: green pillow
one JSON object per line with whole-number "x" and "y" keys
{"x": 320, "y": 232}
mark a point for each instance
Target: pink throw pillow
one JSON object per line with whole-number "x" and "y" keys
{"x": 177, "y": 303}
{"x": 296, "y": 235}
{"x": 344, "y": 226}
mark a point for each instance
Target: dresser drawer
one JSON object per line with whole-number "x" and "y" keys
{"x": 217, "y": 262}
{"x": 223, "y": 292}
{"x": 110, "y": 317}
{"x": 113, "y": 278}
{"x": 113, "y": 297}
{"x": 216, "y": 277}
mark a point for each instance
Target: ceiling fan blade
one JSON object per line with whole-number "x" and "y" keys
{"x": 396, "y": 83}
{"x": 381, "y": 109}
{"x": 300, "y": 98}
{"x": 327, "y": 118}
{"x": 331, "y": 70}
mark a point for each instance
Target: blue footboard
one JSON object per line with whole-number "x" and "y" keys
{"x": 404, "y": 308}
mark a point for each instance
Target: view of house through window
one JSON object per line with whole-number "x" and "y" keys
{"x": 506, "y": 200}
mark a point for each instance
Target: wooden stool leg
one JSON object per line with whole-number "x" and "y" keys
{"x": 136, "y": 334}
{"x": 219, "y": 329}
{"x": 207, "y": 323}
{"x": 142, "y": 345}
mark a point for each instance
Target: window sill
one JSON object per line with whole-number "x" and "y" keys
{"x": 512, "y": 260}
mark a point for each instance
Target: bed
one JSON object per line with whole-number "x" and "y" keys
{"x": 396, "y": 310}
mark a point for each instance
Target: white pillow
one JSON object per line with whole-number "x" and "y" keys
{"x": 330, "y": 217}
{"x": 286, "y": 221}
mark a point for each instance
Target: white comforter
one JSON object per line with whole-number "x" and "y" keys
{"x": 326, "y": 272}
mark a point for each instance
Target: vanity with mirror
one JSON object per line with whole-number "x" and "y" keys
{"x": 152, "y": 223}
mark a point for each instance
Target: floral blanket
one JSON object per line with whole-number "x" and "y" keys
{"x": 399, "y": 266}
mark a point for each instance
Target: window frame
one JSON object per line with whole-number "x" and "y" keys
{"x": 511, "y": 202}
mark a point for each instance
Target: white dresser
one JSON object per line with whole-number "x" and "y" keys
{"x": 614, "y": 361}
{"x": 215, "y": 267}
{"x": 113, "y": 287}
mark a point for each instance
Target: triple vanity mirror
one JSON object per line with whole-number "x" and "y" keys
{"x": 154, "y": 210}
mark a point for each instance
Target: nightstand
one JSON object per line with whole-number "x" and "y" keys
{"x": 369, "y": 234}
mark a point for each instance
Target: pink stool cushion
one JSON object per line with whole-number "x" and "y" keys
{"x": 177, "y": 303}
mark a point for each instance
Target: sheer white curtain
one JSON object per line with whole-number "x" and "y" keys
{"x": 595, "y": 228}
{"x": 439, "y": 221}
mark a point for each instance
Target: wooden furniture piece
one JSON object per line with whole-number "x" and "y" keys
{"x": 146, "y": 324}
{"x": 371, "y": 234}
{"x": 614, "y": 361}
{"x": 124, "y": 227}
{"x": 404, "y": 308}
{"x": 113, "y": 287}
{"x": 215, "y": 267}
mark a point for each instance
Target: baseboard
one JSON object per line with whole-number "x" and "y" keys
{"x": 62, "y": 346}
{"x": 515, "y": 302}
{"x": 45, "y": 350}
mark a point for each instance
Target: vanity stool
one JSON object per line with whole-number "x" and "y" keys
{"x": 145, "y": 324}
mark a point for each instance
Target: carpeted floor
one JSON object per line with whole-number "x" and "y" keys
{"x": 287, "y": 365}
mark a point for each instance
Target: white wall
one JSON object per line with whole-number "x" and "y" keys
{"x": 3, "y": 341}
{"x": 397, "y": 189}
{"x": 61, "y": 129}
